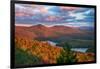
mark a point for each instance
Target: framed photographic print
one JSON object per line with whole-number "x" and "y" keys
{"x": 50, "y": 34}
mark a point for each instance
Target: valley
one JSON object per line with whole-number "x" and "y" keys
{"x": 47, "y": 44}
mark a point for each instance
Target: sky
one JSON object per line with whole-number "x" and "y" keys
{"x": 31, "y": 14}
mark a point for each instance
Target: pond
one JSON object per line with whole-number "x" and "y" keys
{"x": 52, "y": 43}
{"x": 80, "y": 49}
{"x": 73, "y": 49}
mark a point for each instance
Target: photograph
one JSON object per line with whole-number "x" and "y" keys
{"x": 53, "y": 34}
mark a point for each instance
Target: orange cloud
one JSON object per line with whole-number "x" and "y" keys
{"x": 68, "y": 8}
{"x": 19, "y": 14}
{"x": 43, "y": 10}
{"x": 23, "y": 14}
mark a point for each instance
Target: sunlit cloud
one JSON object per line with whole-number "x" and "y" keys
{"x": 68, "y": 8}
{"x": 53, "y": 15}
{"x": 26, "y": 25}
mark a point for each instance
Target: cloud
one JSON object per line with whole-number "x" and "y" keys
{"x": 22, "y": 11}
{"x": 77, "y": 16}
{"x": 77, "y": 24}
{"x": 68, "y": 8}
{"x": 34, "y": 14}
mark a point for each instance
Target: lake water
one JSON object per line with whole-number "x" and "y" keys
{"x": 52, "y": 43}
{"x": 80, "y": 49}
{"x": 73, "y": 49}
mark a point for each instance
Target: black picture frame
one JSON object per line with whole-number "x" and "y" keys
{"x": 42, "y": 3}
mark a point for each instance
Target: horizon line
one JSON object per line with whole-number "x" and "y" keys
{"x": 29, "y": 25}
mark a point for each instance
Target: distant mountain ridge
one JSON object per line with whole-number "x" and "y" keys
{"x": 88, "y": 28}
{"x": 42, "y": 31}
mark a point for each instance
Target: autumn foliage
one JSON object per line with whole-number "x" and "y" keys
{"x": 49, "y": 54}
{"x": 41, "y": 49}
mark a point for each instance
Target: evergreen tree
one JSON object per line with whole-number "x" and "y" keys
{"x": 23, "y": 58}
{"x": 67, "y": 56}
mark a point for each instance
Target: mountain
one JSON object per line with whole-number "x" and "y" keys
{"x": 66, "y": 30}
{"x": 55, "y": 30}
{"x": 86, "y": 28}
{"x": 24, "y": 32}
{"x": 43, "y": 32}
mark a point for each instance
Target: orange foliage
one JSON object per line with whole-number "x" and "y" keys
{"x": 41, "y": 49}
{"x": 46, "y": 52}
{"x": 84, "y": 57}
